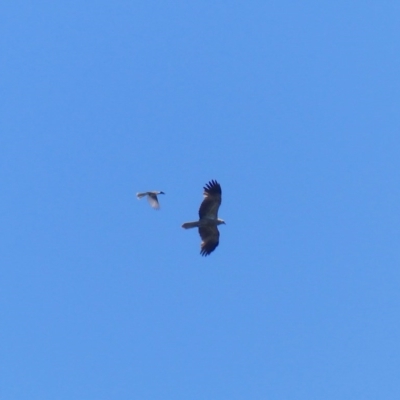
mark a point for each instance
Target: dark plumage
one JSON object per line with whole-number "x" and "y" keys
{"x": 208, "y": 218}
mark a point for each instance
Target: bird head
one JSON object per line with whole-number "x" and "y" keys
{"x": 221, "y": 222}
{"x": 161, "y": 193}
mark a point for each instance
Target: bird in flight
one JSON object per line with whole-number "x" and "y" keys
{"x": 208, "y": 218}
{"x": 151, "y": 198}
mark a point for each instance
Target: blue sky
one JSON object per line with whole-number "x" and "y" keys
{"x": 293, "y": 107}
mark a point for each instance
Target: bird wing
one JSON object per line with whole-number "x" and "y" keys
{"x": 210, "y": 239}
{"x": 212, "y": 200}
{"x": 153, "y": 200}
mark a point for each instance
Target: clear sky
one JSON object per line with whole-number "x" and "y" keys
{"x": 293, "y": 107}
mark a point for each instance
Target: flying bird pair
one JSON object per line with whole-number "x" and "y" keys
{"x": 208, "y": 215}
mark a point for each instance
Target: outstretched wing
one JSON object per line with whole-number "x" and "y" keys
{"x": 210, "y": 239}
{"x": 153, "y": 200}
{"x": 212, "y": 200}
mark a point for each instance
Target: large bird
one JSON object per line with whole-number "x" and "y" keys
{"x": 208, "y": 221}
{"x": 151, "y": 197}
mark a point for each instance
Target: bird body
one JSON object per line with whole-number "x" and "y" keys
{"x": 208, "y": 218}
{"x": 151, "y": 198}
{"x": 202, "y": 223}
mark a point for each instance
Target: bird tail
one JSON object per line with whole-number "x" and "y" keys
{"x": 188, "y": 225}
{"x": 140, "y": 195}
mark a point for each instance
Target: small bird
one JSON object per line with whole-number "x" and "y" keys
{"x": 151, "y": 198}
{"x": 208, "y": 218}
